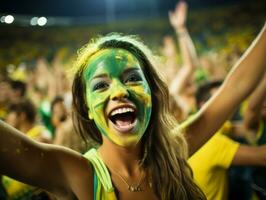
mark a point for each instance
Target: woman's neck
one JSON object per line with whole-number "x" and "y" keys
{"x": 125, "y": 160}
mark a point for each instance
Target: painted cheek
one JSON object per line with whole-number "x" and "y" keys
{"x": 97, "y": 102}
{"x": 142, "y": 93}
{"x": 142, "y": 98}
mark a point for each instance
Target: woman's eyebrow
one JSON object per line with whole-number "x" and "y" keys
{"x": 131, "y": 69}
{"x": 103, "y": 75}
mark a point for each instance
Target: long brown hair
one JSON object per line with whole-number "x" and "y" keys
{"x": 164, "y": 152}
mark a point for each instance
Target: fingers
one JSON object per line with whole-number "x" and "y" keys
{"x": 181, "y": 7}
{"x": 178, "y": 16}
{"x": 171, "y": 16}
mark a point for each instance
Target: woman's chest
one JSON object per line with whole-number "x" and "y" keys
{"x": 128, "y": 191}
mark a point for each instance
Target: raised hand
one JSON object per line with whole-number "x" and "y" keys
{"x": 178, "y": 17}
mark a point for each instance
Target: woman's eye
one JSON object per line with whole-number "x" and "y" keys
{"x": 132, "y": 78}
{"x": 100, "y": 86}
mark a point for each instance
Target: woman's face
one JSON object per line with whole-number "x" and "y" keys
{"x": 118, "y": 96}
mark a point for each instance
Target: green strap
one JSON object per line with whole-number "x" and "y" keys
{"x": 100, "y": 169}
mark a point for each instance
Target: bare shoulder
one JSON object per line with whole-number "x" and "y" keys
{"x": 77, "y": 171}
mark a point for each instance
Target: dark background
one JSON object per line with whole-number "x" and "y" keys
{"x": 104, "y": 10}
{"x": 215, "y": 25}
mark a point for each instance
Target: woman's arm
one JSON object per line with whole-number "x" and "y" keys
{"x": 37, "y": 164}
{"x": 252, "y": 114}
{"x": 250, "y": 156}
{"x": 240, "y": 82}
{"x": 177, "y": 19}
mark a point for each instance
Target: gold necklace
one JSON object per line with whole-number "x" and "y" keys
{"x": 131, "y": 188}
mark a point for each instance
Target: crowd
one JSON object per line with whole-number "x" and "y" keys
{"x": 230, "y": 165}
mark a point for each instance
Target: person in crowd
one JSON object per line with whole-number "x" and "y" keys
{"x": 254, "y": 119}
{"x": 64, "y": 133}
{"x": 120, "y": 101}
{"x": 5, "y": 94}
{"x": 58, "y": 112}
{"x": 186, "y": 76}
{"x": 211, "y": 163}
{"x": 183, "y": 84}
{"x": 18, "y": 91}
{"x": 22, "y": 115}
{"x": 170, "y": 66}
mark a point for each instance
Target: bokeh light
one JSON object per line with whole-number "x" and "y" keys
{"x": 42, "y": 21}
{"x": 9, "y": 19}
{"x": 34, "y": 21}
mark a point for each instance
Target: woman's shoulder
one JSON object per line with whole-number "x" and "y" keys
{"x": 77, "y": 170}
{"x": 70, "y": 158}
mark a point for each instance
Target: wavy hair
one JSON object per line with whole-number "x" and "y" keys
{"x": 164, "y": 151}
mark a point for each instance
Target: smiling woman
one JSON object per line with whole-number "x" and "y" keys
{"x": 120, "y": 101}
{"x": 110, "y": 76}
{"x": 126, "y": 111}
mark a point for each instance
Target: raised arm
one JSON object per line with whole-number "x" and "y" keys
{"x": 252, "y": 114}
{"x": 240, "y": 82}
{"x": 177, "y": 19}
{"x": 37, "y": 164}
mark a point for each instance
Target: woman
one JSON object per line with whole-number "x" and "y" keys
{"x": 120, "y": 101}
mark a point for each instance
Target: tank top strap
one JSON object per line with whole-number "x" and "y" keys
{"x": 101, "y": 171}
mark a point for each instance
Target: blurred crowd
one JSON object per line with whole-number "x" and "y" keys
{"x": 37, "y": 101}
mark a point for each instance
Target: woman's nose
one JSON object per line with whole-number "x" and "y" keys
{"x": 119, "y": 91}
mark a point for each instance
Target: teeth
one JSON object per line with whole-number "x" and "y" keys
{"x": 121, "y": 110}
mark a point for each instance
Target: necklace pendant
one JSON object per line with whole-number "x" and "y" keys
{"x": 134, "y": 188}
{"x": 131, "y": 188}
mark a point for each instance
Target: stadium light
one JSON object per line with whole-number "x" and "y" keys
{"x": 34, "y": 21}
{"x": 2, "y": 19}
{"x": 42, "y": 21}
{"x": 9, "y": 19}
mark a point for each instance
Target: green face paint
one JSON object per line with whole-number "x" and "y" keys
{"x": 110, "y": 75}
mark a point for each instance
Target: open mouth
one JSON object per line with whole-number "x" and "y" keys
{"x": 123, "y": 118}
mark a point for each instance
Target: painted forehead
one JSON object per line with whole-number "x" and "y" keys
{"x": 111, "y": 62}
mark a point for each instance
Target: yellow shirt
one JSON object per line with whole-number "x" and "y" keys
{"x": 210, "y": 163}
{"x": 36, "y": 132}
{"x": 3, "y": 113}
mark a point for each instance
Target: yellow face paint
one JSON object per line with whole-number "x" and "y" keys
{"x": 112, "y": 74}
